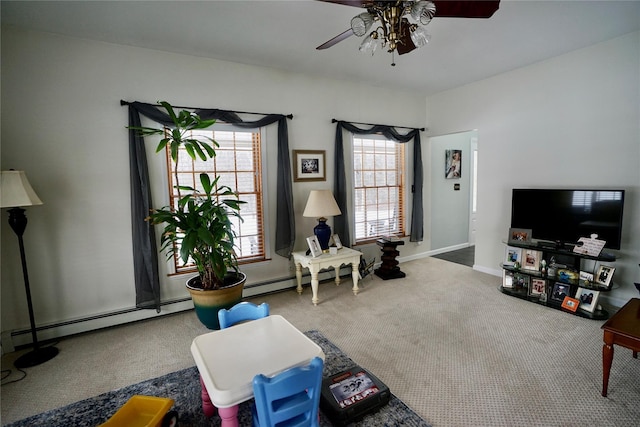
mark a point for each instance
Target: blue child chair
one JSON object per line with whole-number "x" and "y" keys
{"x": 242, "y": 312}
{"x": 291, "y": 398}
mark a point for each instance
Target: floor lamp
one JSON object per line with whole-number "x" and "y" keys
{"x": 15, "y": 193}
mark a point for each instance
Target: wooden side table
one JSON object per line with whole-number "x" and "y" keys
{"x": 344, "y": 256}
{"x": 389, "y": 268}
{"x": 623, "y": 329}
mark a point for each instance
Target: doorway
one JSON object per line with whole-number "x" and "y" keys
{"x": 453, "y": 199}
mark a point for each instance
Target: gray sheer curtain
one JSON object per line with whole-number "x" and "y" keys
{"x": 341, "y": 222}
{"x": 145, "y": 253}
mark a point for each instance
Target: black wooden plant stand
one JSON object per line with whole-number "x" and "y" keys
{"x": 389, "y": 268}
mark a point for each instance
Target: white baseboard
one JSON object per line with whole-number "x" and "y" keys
{"x": 449, "y": 249}
{"x": 9, "y": 340}
{"x": 492, "y": 271}
{"x": 17, "y": 338}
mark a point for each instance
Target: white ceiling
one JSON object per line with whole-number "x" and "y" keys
{"x": 284, "y": 35}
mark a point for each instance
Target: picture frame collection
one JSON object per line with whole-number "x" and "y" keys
{"x": 556, "y": 281}
{"x": 554, "y": 292}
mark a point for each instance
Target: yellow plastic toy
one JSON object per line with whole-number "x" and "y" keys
{"x": 144, "y": 411}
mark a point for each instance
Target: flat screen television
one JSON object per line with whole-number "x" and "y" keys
{"x": 566, "y": 215}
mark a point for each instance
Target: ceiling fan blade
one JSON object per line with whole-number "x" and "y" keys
{"x": 405, "y": 44}
{"x": 356, "y": 3}
{"x": 465, "y": 9}
{"x": 336, "y": 39}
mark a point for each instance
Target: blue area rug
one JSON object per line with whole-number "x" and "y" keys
{"x": 184, "y": 387}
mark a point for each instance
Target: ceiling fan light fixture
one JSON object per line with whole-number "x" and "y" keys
{"x": 400, "y": 23}
{"x": 419, "y": 36}
{"x": 360, "y": 24}
{"x": 423, "y": 11}
{"x": 369, "y": 44}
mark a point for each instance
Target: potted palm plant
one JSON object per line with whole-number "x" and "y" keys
{"x": 198, "y": 229}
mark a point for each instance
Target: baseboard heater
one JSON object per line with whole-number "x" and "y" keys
{"x": 11, "y": 340}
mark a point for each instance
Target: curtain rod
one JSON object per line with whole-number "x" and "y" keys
{"x": 289, "y": 116}
{"x": 371, "y": 124}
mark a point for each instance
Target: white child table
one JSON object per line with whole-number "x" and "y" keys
{"x": 228, "y": 360}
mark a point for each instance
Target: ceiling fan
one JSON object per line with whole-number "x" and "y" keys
{"x": 396, "y": 32}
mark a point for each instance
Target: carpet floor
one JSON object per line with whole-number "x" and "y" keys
{"x": 184, "y": 388}
{"x": 444, "y": 339}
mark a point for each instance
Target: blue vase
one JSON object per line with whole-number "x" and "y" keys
{"x": 323, "y": 233}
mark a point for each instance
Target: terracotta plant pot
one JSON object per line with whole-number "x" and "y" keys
{"x": 208, "y": 302}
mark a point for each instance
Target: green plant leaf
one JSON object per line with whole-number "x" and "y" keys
{"x": 205, "y": 180}
{"x": 169, "y": 109}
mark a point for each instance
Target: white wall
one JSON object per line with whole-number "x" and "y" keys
{"x": 572, "y": 121}
{"x": 63, "y": 124}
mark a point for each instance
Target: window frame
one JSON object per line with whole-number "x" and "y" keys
{"x": 402, "y": 176}
{"x": 174, "y": 263}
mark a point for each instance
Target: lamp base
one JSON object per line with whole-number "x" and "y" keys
{"x": 36, "y": 357}
{"x": 323, "y": 232}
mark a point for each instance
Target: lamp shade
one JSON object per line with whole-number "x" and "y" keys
{"x": 16, "y": 191}
{"x": 321, "y": 203}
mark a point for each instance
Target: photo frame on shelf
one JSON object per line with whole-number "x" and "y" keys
{"x": 512, "y": 255}
{"x": 604, "y": 275}
{"x": 570, "y": 304}
{"x": 585, "y": 276}
{"x": 588, "y": 299}
{"x": 559, "y": 291}
{"x": 507, "y": 279}
{"x": 531, "y": 259}
{"x": 519, "y": 235}
{"x": 521, "y": 283}
{"x": 337, "y": 242}
{"x": 314, "y": 246}
{"x": 309, "y": 165}
{"x": 538, "y": 287}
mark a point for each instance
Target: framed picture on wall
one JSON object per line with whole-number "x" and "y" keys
{"x": 452, "y": 164}
{"x": 309, "y": 165}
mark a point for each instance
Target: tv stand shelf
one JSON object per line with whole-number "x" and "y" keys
{"x": 596, "y": 315}
{"x": 521, "y": 282}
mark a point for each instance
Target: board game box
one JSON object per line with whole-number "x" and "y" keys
{"x": 352, "y": 394}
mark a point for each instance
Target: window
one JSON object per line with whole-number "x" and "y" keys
{"x": 239, "y": 166}
{"x": 474, "y": 191}
{"x": 378, "y": 198}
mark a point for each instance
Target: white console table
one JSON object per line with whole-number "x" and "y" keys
{"x": 344, "y": 256}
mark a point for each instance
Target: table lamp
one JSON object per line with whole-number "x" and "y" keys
{"x": 321, "y": 204}
{"x": 15, "y": 191}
